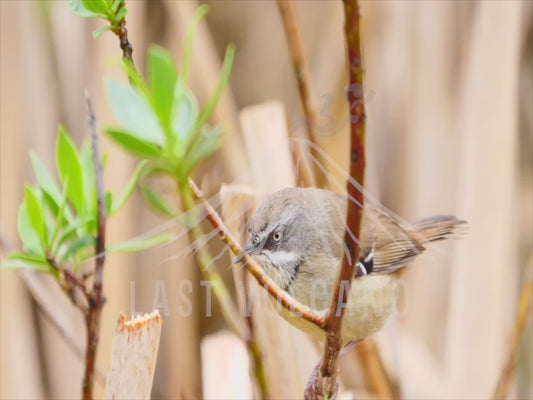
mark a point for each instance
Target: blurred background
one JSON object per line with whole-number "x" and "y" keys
{"x": 449, "y": 92}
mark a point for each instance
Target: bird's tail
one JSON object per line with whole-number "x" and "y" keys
{"x": 437, "y": 228}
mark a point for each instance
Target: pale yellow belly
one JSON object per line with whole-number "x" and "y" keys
{"x": 371, "y": 301}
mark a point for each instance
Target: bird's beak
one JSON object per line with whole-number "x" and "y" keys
{"x": 249, "y": 249}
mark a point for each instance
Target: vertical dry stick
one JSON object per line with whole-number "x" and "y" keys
{"x": 207, "y": 266}
{"x": 327, "y": 377}
{"x": 374, "y": 370}
{"x": 524, "y": 309}
{"x": 58, "y": 318}
{"x": 303, "y": 77}
{"x": 95, "y": 297}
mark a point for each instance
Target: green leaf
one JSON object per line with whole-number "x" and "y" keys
{"x": 187, "y": 53}
{"x": 131, "y": 143}
{"x": 89, "y": 179}
{"x": 202, "y": 147}
{"x": 108, "y": 202}
{"x": 79, "y": 223}
{"x": 78, "y": 7}
{"x": 45, "y": 179}
{"x": 55, "y": 208}
{"x": 49, "y": 189}
{"x": 184, "y": 119}
{"x": 68, "y": 164}
{"x": 50, "y": 202}
{"x": 221, "y": 85}
{"x": 140, "y": 244}
{"x": 99, "y": 7}
{"x": 116, "y": 4}
{"x": 156, "y": 201}
{"x": 28, "y": 257}
{"x": 135, "y": 114}
{"x": 121, "y": 14}
{"x": 100, "y": 31}
{"x": 26, "y": 261}
{"x": 77, "y": 245}
{"x": 60, "y": 214}
{"x": 36, "y": 214}
{"x": 105, "y": 158}
{"x": 162, "y": 77}
{"x": 130, "y": 188}
{"x": 135, "y": 78}
{"x": 30, "y": 239}
{"x": 81, "y": 9}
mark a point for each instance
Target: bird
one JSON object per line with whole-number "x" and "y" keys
{"x": 297, "y": 237}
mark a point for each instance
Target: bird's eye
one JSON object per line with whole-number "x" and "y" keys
{"x": 276, "y": 236}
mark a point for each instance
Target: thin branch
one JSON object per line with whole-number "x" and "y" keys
{"x": 100, "y": 198}
{"x": 238, "y": 203}
{"x": 367, "y": 350}
{"x": 524, "y": 311}
{"x": 125, "y": 45}
{"x": 205, "y": 260}
{"x": 303, "y": 77}
{"x": 69, "y": 283}
{"x": 48, "y": 307}
{"x": 262, "y": 278}
{"x": 327, "y": 377}
{"x": 96, "y": 298}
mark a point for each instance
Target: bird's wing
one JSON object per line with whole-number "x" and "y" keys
{"x": 385, "y": 244}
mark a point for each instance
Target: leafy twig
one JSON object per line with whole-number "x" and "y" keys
{"x": 95, "y": 297}
{"x": 36, "y": 286}
{"x": 48, "y": 308}
{"x": 69, "y": 282}
{"x": 69, "y": 277}
{"x": 303, "y": 77}
{"x": 327, "y": 376}
{"x": 204, "y": 257}
{"x": 190, "y": 196}
{"x": 524, "y": 311}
